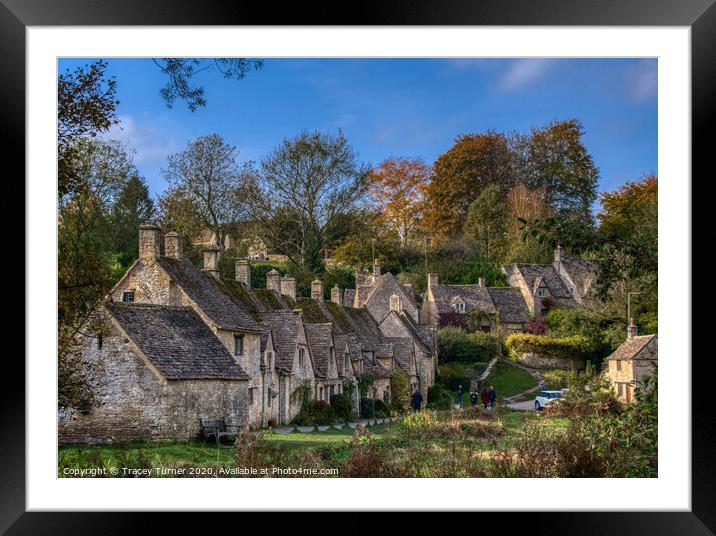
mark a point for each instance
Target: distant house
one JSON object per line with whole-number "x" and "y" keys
{"x": 504, "y": 303}
{"x": 177, "y": 343}
{"x": 631, "y": 363}
{"x": 566, "y": 282}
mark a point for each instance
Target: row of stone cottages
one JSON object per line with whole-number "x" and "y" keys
{"x": 176, "y": 344}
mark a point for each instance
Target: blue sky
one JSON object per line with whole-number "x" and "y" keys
{"x": 397, "y": 107}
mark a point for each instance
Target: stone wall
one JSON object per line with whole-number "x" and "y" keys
{"x": 135, "y": 403}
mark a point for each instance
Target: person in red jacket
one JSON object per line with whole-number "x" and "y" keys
{"x": 485, "y": 398}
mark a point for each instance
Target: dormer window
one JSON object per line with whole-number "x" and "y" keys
{"x": 541, "y": 292}
{"x": 459, "y": 307}
{"x": 128, "y": 297}
{"x": 238, "y": 345}
{"x": 301, "y": 355}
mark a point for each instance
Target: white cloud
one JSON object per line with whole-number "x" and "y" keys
{"x": 642, "y": 79}
{"x": 523, "y": 72}
{"x": 152, "y": 141}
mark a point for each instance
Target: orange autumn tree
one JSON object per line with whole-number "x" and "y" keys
{"x": 461, "y": 174}
{"x": 396, "y": 187}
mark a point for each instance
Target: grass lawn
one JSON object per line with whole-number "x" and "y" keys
{"x": 332, "y": 437}
{"x": 510, "y": 380}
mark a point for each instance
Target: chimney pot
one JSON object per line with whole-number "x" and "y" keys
{"x": 317, "y": 290}
{"x": 242, "y": 270}
{"x": 631, "y": 329}
{"x": 432, "y": 280}
{"x": 211, "y": 262}
{"x": 481, "y": 281}
{"x": 288, "y": 286}
{"x": 558, "y": 254}
{"x": 149, "y": 241}
{"x": 337, "y": 295}
{"x": 172, "y": 245}
{"x": 376, "y": 268}
{"x": 273, "y": 281}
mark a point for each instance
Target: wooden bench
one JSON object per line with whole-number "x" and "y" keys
{"x": 218, "y": 429}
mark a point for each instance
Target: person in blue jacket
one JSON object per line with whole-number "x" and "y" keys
{"x": 492, "y": 396}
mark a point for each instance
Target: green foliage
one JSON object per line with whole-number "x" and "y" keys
{"x": 133, "y": 207}
{"x": 382, "y": 409}
{"x": 579, "y": 322}
{"x": 400, "y": 390}
{"x": 365, "y": 380}
{"x": 315, "y": 412}
{"x": 509, "y": 380}
{"x": 342, "y": 406}
{"x": 575, "y": 346}
{"x": 439, "y": 398}
{"x": 455, "y": 344}
{"x": 485, "y": 222}
{"x": 367, "y": 408}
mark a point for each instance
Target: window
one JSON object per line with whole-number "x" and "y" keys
{"x": 486, "y": 329}
{"x": 238, "y": 345}
{"x": 128, "y": 297}
{"x": 269, "y": 360}
{"x": 301, "y": 355}
{"x": 459, "y": 307}
{"x": 252, "y": 395}
{"x": 619, "y": 365}
{"x": 99, "y": 341}
{"x": 541, "y": 293}
{"x": 320, "y": 393}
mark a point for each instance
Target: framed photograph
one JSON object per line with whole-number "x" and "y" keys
{"x": 403, "y": 262}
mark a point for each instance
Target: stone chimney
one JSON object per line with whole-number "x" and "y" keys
{"x": 211, "y": 261}
{"x": 396, "y": 303}
{"x": 336, "y": 295}
{"x": 481, "y": 282}
{"x": 317, "y": 290}
{"x": 432, "y": 280}
{"x": 242, "y": 271}
{"x": 631, "y": 329}
{"x": 172, "y": 245}
{"x": 149, "y": 235}
{"x": 288, "y": 286}
{"x": 359, "y": 277}
{"x": 558, "y": 254}
{"x": 273, "y": 281}
{"x": 376, "y": 268}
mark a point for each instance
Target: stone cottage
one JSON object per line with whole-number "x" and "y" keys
{"x": 631, "y": 363}
{"x": 181, "y": 343}
{"x": 492, "y": 303}
{"x": 162, "y": 370}
{"x": 566, "y": 282}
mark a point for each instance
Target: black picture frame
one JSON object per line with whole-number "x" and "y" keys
{"x": 699, "y": 15}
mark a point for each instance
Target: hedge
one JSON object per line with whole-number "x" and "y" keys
{"x": 342, "y": 406}
{"x": 455, "y": 344}
{"x": 576, "y": 346}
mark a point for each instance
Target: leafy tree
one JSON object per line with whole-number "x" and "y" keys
{"x": 397, "y": 187}
{"x": 86, "y": 106}
{"x": 133, "y": 207}
{"x": 461, "y": 174}
{"x": 485, "y": 222}
{"x": 310, "y": 179}
{"x": 209, "y": 185}
{"x": 182, "y": 72}
{"x": 524, "y": 204}
{"x": 561, "y": 165}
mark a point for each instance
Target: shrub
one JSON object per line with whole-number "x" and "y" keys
{"x": 315, "y": 412}
{"x": 452, "y": 319}
{"x": 439, "y": 398}
{"x": 572, "y": 347}
{"x": 367, "y": 408}
{"x": 537, "y": 326}
{"x": 399, "y": 390}
{"x": 456, "y": 381}
{"x": 456, "y": 345}
{"x": 342, "y": 406}
{"x": 381, "y": 409}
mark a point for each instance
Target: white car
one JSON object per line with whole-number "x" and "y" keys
{"x": 545, "y": 398}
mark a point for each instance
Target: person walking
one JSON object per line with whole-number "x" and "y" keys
{"x": 416, "y": 400}
{"x": 473, "y": 398}
{"x": 485, "y": 398}
{"x": 459, "y": 397}
{"x": 492, "y": 396}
